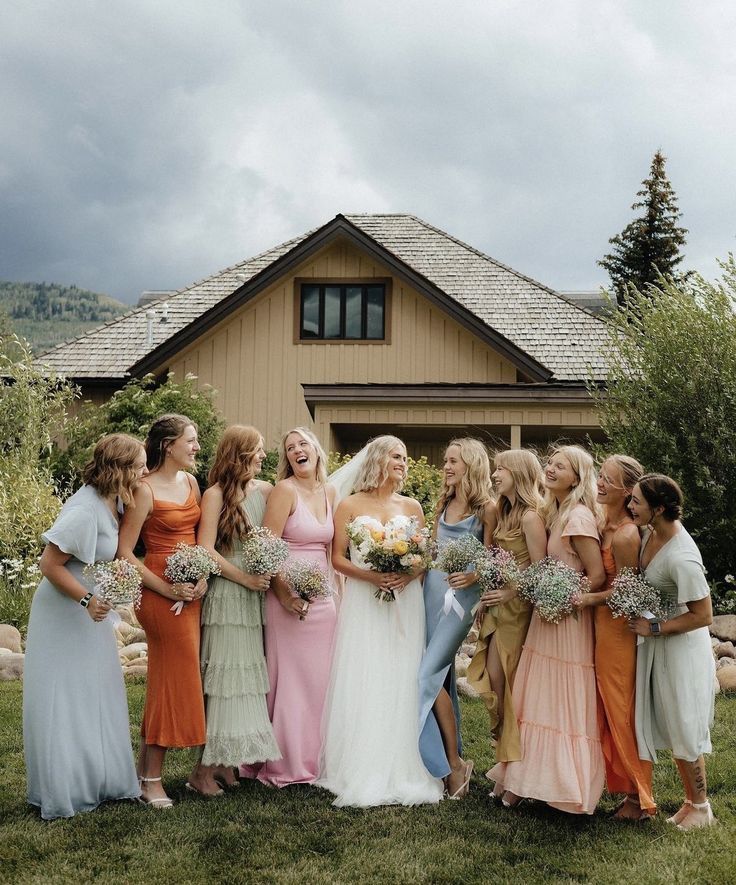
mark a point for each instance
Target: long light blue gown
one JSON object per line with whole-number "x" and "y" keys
{"x": 445, "y": 633}
{"x": 76, "y": 734}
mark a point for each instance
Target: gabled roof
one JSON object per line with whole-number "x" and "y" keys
{"x": 543, "y": 334}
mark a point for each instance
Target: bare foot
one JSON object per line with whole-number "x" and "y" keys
{"x": 630, "y": 809}
{"x": 680, "y": 815}
{"x": 511, "y": 800}
{"x": 699, "y": 815}
{"x": 225, "y": 775}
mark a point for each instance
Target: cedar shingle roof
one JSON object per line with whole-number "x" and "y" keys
{"x": 539, "y": 321}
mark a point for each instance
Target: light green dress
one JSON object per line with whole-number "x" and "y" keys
{"x": 234, "y": 666}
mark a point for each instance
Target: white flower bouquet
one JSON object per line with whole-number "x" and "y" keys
{"x": 401, "y": 545}
{"x": 458, "y": 554}
{"x": 190, "y": 563}
{"x": 551, "y": 587}
{"x": 305, "y": 578}
{"x": 116, "y": 581}
{"x": 263, "y": 553}
{"x": 633, "y": 596}
{"x": 496, "y": 568}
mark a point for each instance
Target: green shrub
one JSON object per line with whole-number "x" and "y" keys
{"x": 671, "y": 403}
{"x": 132, "y": 410}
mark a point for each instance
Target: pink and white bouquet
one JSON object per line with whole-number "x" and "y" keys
{"x": 400, "y": 545}
{"x": 496, "y": 568}
{"x": 116, "y": 581}
{"x": 305, "y": 578}
{"x": 633, "y": 596}
{"x": 262, "y": 552}
{"x": 551, "y": 587}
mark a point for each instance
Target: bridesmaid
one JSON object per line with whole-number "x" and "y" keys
{"x": 298, "y": 635}
{"x": 675, "y": 667}
{"x": 554, "y": 693}
{"x": 521, "y": 531}
{"x": 465, "y": 507}
{"x": 233, "y": 663}
{"x": 167, "y": 512}
{"x": 76, "y": 735}
{"x": 615, "y": 646}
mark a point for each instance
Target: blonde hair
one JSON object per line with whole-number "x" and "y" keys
{"x": 526, "y": 472}
{"x": 631, "y": 472}
{"x": 476, "y": 481}
{"x": 284, "y": 469}
{"x": 112, "y": 468}
{"x": 374, "y": 470}
{"x": 585, "y": 491}
{"x": 234, "y": 467}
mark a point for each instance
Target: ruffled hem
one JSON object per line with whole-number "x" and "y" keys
{"x": 236, "y": 749}
{"x": 231, "y": 680}
{"x": 229, "y": 605}
{"x": 398, "y": 794}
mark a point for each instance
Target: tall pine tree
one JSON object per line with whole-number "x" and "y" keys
{"x": 650, "y": 244}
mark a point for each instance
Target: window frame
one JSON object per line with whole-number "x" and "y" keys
{"x": 345, "y": 282}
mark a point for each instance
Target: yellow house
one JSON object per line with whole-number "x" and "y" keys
{"x": 368, "y": 324}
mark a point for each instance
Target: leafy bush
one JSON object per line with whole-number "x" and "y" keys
{"x": 32, "y": 410}
{"x": 671, "y": 402}
{"x": 132, "y": 410}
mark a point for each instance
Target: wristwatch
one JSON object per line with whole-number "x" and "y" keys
{"x": 655, "y": 628}
{"x": 85, "y": 600}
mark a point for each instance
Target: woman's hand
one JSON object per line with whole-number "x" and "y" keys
{"x": 181, "y": 592}
{"x": 500, "y": 596}
{"x": 461, "y": 580}
{"x": 98, "y": 608}
{"x": 585, "y": 600}
{"x": 295, "y": 605}
{"x": 393, "y": 582}
{"x": 200, "y": 588}
{"x": 640, "y": 626}
{"x": 258, "y": 583}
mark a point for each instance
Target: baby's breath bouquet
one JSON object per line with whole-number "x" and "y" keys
{"x": 457, "y": 554}
{"x": 263, "y": 553}
{"x": 551, "y": 587}
{"x": 190, "y": 563}
{"x": 305, "y": 578}
{"x": 495, "y": 568}
{"x": 116, "y": 581}
{"x": 633, "y": 595}
{"x": 400, "y": 546}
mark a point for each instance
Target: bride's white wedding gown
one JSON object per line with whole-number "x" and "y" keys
{"x": 370, "y": 753}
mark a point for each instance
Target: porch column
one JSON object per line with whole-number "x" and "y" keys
{"x": 516, "y": 436}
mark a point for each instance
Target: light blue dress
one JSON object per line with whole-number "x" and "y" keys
{"x": 445, "y": 633}
{"x": 76, "y": 735}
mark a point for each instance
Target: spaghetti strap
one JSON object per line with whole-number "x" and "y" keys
{"x": 150, "y": 488}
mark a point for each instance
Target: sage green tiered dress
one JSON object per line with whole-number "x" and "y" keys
{"x": 234, "y": 666}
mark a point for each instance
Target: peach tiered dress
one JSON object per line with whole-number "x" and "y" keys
{"x": 615, "y": 671}
{"x": 555, "y": 700}
{"x": 174, "y": 710}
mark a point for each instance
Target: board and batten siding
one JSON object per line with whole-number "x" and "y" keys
{"x": 257, "y": 367}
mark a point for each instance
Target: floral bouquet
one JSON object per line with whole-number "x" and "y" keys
{"x": 633, "y": 597}
{"x": 400, "y": 545}
{"x": 495, "y": 568}
{"x": 551, "y": 587}
{"x": 263, "y": 553}
{"x": 457, "y": 554}
{"x": 117, "y": 582}
{"x": 188, "y": 564}
{"x": 305, "y": 578}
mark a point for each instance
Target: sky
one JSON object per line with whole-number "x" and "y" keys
{"x": 146, "y": 144}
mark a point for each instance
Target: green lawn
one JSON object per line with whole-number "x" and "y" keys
{"x": 294, "y": 835}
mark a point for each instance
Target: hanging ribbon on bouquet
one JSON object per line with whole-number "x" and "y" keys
{"x": 451, "y": 604}
{"x": 177, "y": 607}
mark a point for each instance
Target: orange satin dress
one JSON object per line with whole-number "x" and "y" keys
{"x": 174, "y": 710}
{"x": 615, "y": 673}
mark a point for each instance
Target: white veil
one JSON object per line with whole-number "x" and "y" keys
{"x": 343, "y": 479}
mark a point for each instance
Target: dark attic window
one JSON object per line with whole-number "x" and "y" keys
{"x": 350, "y": 312}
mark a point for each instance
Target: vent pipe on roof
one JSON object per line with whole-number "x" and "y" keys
{"x": 165, "y": 312}
{"x": 150, "y": 314}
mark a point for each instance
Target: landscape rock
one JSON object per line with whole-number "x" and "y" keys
{"x": 124, "y": 629}
{"x": 10, "y": 638}
{"x": 137, "y": 634}
{"x": 6, "y": 651}
{"x": 128, "y": 615}
{"x": 727, "y": 678}
{"x": 726, "y": 662}
{"x": 465, "y": 689}
{"x": 135, "y": 671}
{"x": 461, "y": 664}
{"x": 467, "y": 649}
{"x": 724, "y": 627}
{"x": 725, "y": 650}
{"x": 134, "y": 650}
{"x": 11, "y": 666}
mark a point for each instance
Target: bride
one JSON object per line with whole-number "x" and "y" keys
{"x": 370, "y": 753}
